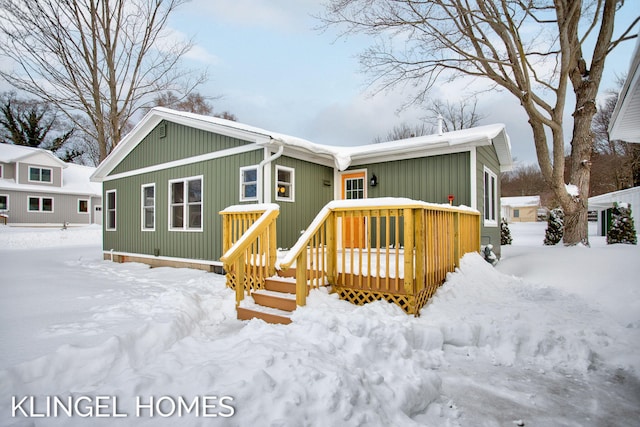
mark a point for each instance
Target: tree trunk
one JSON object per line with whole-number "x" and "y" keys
{"x": 576, "y": 227}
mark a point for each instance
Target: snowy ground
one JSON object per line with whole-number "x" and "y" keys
{"x": 550, "y": 337}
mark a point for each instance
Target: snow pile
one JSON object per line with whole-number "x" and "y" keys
{"x": 27, "y": 238}
{"x": 548, "y": 337}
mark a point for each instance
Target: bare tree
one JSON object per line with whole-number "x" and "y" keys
{"x": 456, "y": 115}
{"x": 404, "y": 131}
{"x": 537, "y": 50}
{"x": 193, "y": 102}
{"x": 615, "y": 164}
{"x": 99, "y": 61}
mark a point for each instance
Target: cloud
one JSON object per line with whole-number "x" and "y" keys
{"x": 283, "y": 15}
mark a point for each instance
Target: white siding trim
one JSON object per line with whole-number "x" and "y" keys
{"x": 473, "y": 158}
{"x": 185, "y": 161}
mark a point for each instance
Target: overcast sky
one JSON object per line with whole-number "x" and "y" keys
{"x": 275, "y": 71}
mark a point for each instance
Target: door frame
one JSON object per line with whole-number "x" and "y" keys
{"x": 340, "y": 195}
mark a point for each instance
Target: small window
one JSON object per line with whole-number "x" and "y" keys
{"x": 285, "y": 184}
{"x": 248, "y": 183}
{"x": 490, "y": 197}
{"x": 83, "y": 206}
{"x": 148, "y": 207}
{"x": 40, "y": 204}
{"x": 39, "y": 174}
{"x": 516, "y": 213}
{"x": 185, "y": 204}
{"x": 110, "y": 215}
{"x": 4, "y": 202}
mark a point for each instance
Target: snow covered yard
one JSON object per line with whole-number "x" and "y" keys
{"x": 549, "y": 337}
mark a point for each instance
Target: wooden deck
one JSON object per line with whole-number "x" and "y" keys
{"x": 377, "y": 267}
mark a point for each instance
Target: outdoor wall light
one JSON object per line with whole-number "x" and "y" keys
{"x": 373, "y": 181}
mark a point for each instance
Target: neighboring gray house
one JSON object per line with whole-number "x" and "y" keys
{"x": 39, "y": 189}
{"x": 603, "y": 205}
{"x": 168, "y": 179}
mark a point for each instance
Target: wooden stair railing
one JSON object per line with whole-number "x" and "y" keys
{"x": 251, "y": 256}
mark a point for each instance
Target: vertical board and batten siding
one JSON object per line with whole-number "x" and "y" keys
{"x": 65, "y": 209}
{"x": 430, "y": 179}
{"x": 179, "y": 142}
{"x": 311, "y": 195}
{"x": 220, "y": 188}
{"x": 486, "y": 157}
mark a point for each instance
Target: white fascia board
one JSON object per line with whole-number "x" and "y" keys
{"x": 150, "y": 121}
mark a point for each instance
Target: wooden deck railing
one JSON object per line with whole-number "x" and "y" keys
{"x": 394, "y": 249}
{"x": 249, "y": 246}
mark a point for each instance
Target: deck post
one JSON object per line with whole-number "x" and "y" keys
{"x": 273, "y": 249}
{"x": 420, "y": 249}
{"x": 239, "y": 268}
{"x": 301, "y": 279}
{"x": 408, "y": 251}
{"x": 332, "y": 248}
{"x": 456, "y": 238}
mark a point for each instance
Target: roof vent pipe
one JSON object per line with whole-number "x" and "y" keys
{"x": 440, "y": 122}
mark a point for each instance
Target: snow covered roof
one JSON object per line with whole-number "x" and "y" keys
{"x": 338, "y": 156}
{"x": 625, "y": 119}
{"x": 605, "y": 201}
{"x": 520, "y": 201}
{"x": 10, "y": 153}
{"x": 75, "y": 178}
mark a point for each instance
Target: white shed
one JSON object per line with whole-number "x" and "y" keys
{"x": 604, "y": 202}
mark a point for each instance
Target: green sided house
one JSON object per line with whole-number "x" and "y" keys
{"x": 166, "y": 182}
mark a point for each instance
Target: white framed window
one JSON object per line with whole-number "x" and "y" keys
{"x": 1, "y": 171}
{"x": 148, "y": 203}
{"x": 185, "y": 204}
{"x": 4, "y": 202}
{"x": 248, "y": 183}
{"x": 490, "y": 198}
{"x": 285, "y": 184}
{"x": 40, "y": 204}
{"x": 40, "y": 174}
{"x": 83, "y": 206}
{"x": 111, "y": 211}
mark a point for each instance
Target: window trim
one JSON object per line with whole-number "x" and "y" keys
{"x": 40, "y": 169}
{"x": 143, "y": 207}
{"x": 88, "y": 206}
{"x": 185, "y": 204}
{"x": 493, "y": 183}
{"x": 40, "y": 204}
{"x": 1, "y": 170}
{"x": 108, "y": 209}
{"x": 6, "y": 209}
{"x": 257, "y": 183}
{"x": 292, "y": 184}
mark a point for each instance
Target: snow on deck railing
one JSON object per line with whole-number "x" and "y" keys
{"x": 249, "y": 245}
{"x": 354, "y": 244}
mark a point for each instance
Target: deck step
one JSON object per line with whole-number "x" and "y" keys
{"x": 274, "y": 299}
{"x": 280, "y": 284}
{"x": 271, "y": 316}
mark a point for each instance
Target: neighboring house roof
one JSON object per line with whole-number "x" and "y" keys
{"x": 625, "y": 119}
{"x": 340, "y": 157}
{"x": 521, "y": 201}
{"x": 75, "y": 178}
{"x": 606, "y": 201}
{"x": 10, "y": 153}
